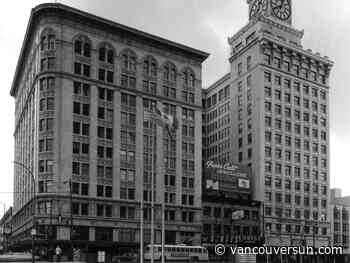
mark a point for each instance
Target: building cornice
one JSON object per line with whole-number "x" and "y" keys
{"x": 217, "y": 83}
{"x": 58, "y": 9}
{"x": 286, "y": 28}
{"x": 265, "y": 38}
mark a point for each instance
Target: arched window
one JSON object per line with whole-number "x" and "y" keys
{"x": 102, "y": 54}
{"x": 110, "y": 56}
{"x": 129, "y": 60}
{"x": 189, "y": 78}
{"x": 86, "y": 50}
{"x": 128, "y": 79}
{"x": 150, "y": 67}
{"x": 169, "y": 73}
{"x": 82, "y": 47}
{"x": 43, "y": 43}
{"x": 106, "y": 54}
{"x": 47, "y": 40}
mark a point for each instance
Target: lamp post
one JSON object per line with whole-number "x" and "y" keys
{"x": 71, "y": 213}
{"x": 33, "y": 231}
{"x": 168, "y": 121}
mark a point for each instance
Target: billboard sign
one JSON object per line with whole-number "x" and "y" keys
{"x": 226, "y": 177}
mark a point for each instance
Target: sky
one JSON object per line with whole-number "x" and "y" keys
{"x": 205, "y": 25}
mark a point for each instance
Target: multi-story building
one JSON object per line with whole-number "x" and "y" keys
{"x": 81, "y": 88}
{"x": 227, "y": 188}
{"x": 340, "y": 218}
{"x": 5, "y": 230}
{"x": 230, "y": 216}
{"x": 216, "y": 121}
{"x": 279, "y": 123}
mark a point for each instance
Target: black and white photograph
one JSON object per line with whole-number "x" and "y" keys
{"x": 173, "y": 131}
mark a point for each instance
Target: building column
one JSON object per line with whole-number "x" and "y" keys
{"x": 92, "y": 234}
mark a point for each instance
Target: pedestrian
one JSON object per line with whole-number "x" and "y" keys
{"x": 58, "y": 252}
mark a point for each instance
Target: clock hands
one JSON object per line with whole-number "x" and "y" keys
{"x": 281, "y": 8}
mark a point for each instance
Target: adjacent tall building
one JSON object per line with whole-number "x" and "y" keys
{"x": 82, "y": 146}
{"x": 340, "y": 218}
{"x": 278, "y": 123}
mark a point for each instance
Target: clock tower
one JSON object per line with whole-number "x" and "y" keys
{"x": 280, "y": 112}
{"x": 279, "y": 10}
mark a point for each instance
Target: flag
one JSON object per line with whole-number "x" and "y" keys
{"x": 166, "y": 120}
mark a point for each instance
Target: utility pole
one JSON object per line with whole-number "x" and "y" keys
{"x": 141, "y": 212}
{"x": 70, "y": 183}
{"x": 71, "y": 215}
{"x": 169, "y": 122}
{"x": 152, "y": 188}
{"x": 33, "y": 231}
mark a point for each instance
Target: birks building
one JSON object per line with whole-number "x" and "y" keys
{"x": 83, "y": 149}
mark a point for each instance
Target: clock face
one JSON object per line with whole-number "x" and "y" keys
{"x": 281, "y": 9}
{"x": 257, "y": 7}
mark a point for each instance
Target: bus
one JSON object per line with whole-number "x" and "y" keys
{"x": 177, "y": 252}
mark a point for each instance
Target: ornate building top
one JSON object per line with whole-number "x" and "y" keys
{"x": 279, "y": 10}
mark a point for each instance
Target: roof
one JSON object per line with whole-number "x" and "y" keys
{"x": 217, "y": 83}
{"x": 343, "y": 201}
{"x": 58, "y": 8}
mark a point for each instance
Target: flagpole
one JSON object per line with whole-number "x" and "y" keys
{"x": 165, "y": 120}
{"x": 163, "y": 230}
{"x": 141, "y": 209}
{"x": 163, "y": 220}
{"x": 152, "y": 189}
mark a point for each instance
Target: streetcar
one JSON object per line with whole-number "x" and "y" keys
{"x": 177, "y": 252}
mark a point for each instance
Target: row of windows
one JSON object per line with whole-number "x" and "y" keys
{"x": 46, "y": 145}
{"x": 47, "y": 104}
{"x": 297, "y": 141}
{"x": 343, "y": 213}
{"x": 106, "y": 54}
{"x": 248, "y": 65}
{"x": 218, "y": 97}
{"x": 126, "y": 118}
{"x": 221, "y": 149}
{"x": 287, "y": 83}
{"x": 287, "y": 212}
{"x": 219, "y": 233}
{"x": 103, "y": 210}
{"x": 217, "y": 112}
{"x": 297, "y": 172}
{"x": 298, "y": 229}
{"x": 288, "y": 200}
{"x": 306, "y": 104}
{"x": 214, "y": 126}
{"x": 219, "y": 212}
{"x": 298, "y": 69}
{"x": 48, "y": 63}
{"x": 105, "y": 172}
{"x": 288, "y": 169}
{"x": 222, "y": 134}
{"x": 297, "y": 127}
{"x": 297, "y": 102}
{"x": 297, "y": 185}
{"x": 297, "y": 155}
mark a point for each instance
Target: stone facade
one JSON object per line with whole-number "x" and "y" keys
{"x": 340, "y": 218}
{"x": 279, "y": 125}
{"x": 82, "y": 87}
